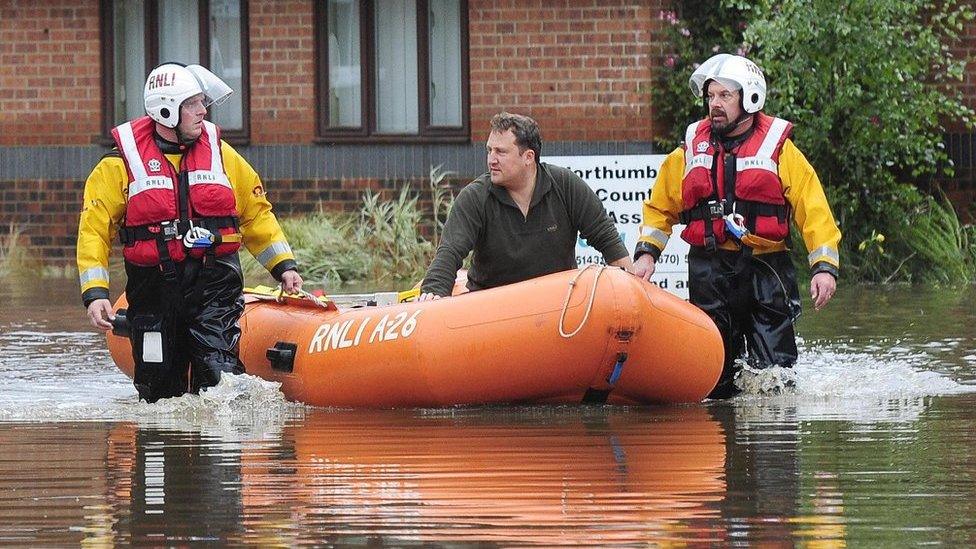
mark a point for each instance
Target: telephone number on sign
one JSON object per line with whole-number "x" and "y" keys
{"x": 589, "y": 260}
{"x": 665, "y": 259}
{"x": 669, "y": 259}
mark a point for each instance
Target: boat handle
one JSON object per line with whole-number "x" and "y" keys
{"x": 282, "y": 356}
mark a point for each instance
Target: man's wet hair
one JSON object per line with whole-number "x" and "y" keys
{"x": 525, "y": 129}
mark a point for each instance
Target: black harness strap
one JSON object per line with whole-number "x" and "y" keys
{"x": 166, "y": 263}
{"x": 130, "y": 235}
{"x": 184, "y": 195}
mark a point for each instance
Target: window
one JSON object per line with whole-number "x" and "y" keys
{"x": 392, "y": 70}
{"x": 140, "y": 34}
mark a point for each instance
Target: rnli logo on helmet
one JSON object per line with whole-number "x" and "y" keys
{"x": 154, "y": 165}
{"x": 702, "y": 147}
{"x": 161, "y": 80}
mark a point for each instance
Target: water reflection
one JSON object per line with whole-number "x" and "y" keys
{"x": 50, "y": 480}
{"x": 172, "y": 487}
{"x": 875, "y": 449}
{"x": 720, "y": 474}
{"x": 544, "y": 477}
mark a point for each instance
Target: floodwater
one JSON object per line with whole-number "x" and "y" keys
{"x": 874, "y": 449}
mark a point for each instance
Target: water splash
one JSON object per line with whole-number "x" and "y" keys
{"x": 873, "y": 384}
{"x": 55, "y": 375}
{"x": 232, "y": 397}
{"x": 239, "y": 407}
{"x": 766, "y": 381}
{"x": 898, "y": 373}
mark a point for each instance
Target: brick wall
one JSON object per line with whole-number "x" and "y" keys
{"x": 966, "y": 49}
{"x": 581, "y": 68}
{"x": 282, "y": 47}
{"x": 48, "y": 213}
{"x": 961, "y": 141}
{"x": 50, "y": 72}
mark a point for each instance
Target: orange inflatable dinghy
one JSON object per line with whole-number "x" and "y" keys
{"x": 591, "y": 336}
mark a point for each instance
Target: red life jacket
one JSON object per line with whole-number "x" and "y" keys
{"x": 756, "y": 187}
{"x": 162, "y": 203}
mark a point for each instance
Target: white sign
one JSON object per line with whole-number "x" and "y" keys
{"x": 622, "y": 183}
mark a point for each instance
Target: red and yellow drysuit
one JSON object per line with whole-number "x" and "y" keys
{"x": 747, "y": 285}
{"x": 150, "y": 192}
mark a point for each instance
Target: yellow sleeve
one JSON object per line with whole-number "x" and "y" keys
{"x": 101, "y": 214}
{"x": 811, "y": 212}
{"x": 262, "y": 234}
{"x": 662, "y": 208}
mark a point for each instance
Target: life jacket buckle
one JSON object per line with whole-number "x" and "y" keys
{"x": 170, "y": 229}
{"x": 715, "y": 209}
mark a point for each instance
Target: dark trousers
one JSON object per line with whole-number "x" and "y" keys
{"x": 753, "y": 300}
{"x": 184, "y": 333}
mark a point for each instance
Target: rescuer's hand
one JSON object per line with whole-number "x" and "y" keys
{"x": 291, "y": 282}
{"x": 644, "y": 267}
{"x": 822, "y": 288}
{"x": 100, "y": 314}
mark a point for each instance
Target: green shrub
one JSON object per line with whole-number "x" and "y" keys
{"x": 15, "y": 259}
{"x": 382, "y": 244}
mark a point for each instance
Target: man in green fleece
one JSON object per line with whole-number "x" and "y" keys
{"x": 521, "y": 219}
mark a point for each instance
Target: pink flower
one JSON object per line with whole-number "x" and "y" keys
{"x": 669, "y": 16}
{"x": 669, "y": 61}
{"x": 684, "y": 32}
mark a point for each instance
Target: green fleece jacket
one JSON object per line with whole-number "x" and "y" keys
{"x": 511, "y": 248}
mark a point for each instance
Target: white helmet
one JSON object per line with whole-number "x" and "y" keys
{"x": 735, "y": 73}
{"x": 170, "y": 84}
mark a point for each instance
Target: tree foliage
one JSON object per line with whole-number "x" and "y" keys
{"x": 868, "y": 86}
{"x": 693, "y": 31}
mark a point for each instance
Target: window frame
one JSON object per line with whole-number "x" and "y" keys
{"x": 427, "y": 132}
{"x": 151, "y": 32}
